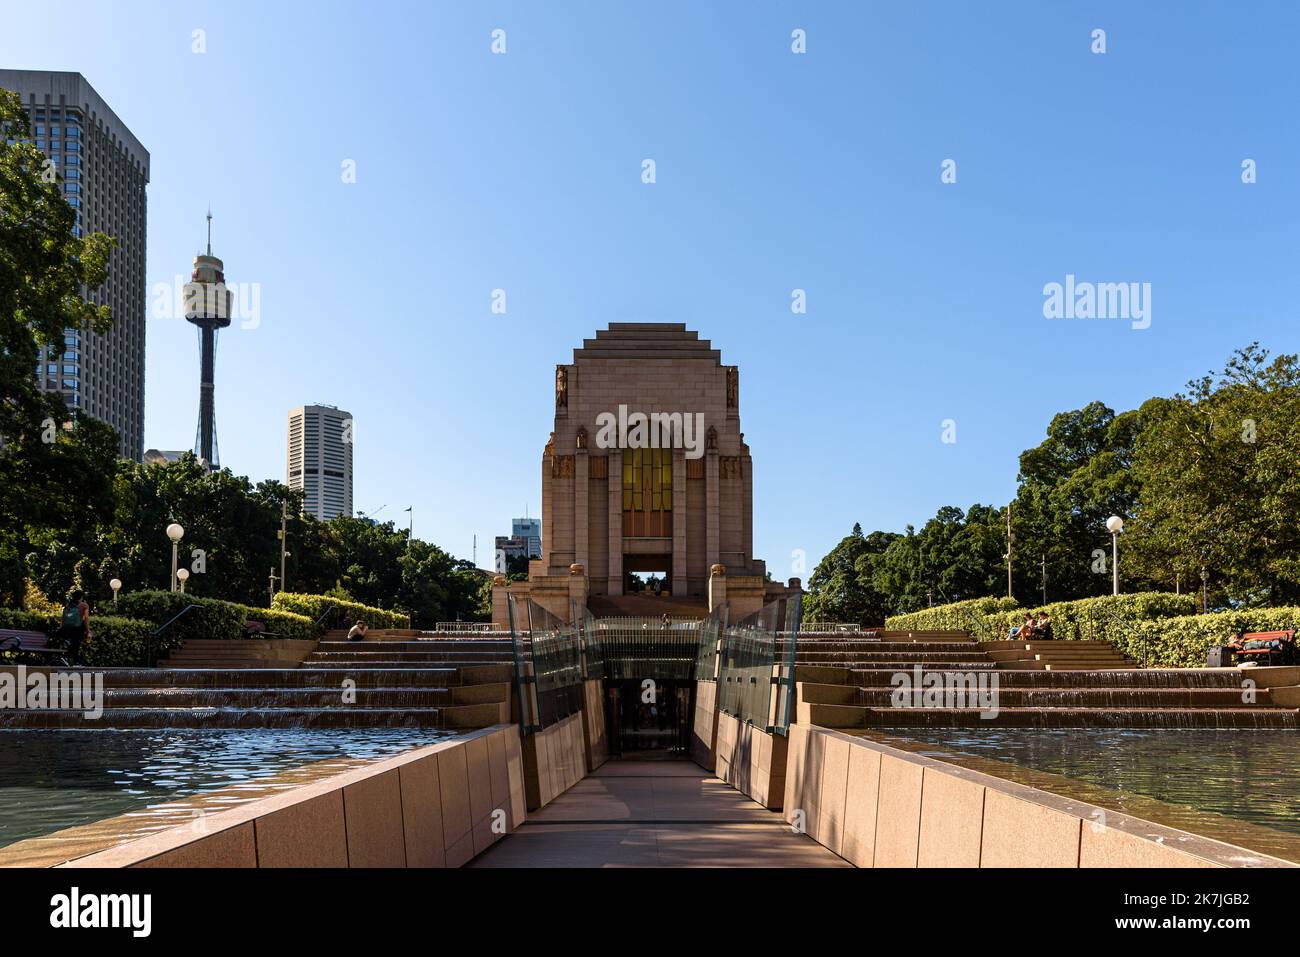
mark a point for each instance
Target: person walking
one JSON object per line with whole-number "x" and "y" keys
{"x": 75, "y": 628}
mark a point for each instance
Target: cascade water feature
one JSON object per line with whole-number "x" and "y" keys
{"x": 1109, "y": 696}
{"x": 434, "y": 682}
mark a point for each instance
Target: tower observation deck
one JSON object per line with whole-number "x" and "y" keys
{"x": 208, "y": 306}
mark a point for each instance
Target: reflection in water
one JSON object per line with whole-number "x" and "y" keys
{"x": 1249, "y": 775}
{"x": 51, "y": 780}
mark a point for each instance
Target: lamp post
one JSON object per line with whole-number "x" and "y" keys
{"x": 116, "y": 585}
{"x": 181, "y": 575}
{"x": 1116, "y": 525}
{"x": 175, "y": 533}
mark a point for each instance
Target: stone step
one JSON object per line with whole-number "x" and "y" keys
{"x": 843, "y": 716}
{"x": 432, "y": 656}
{"x": 1105, "y": 678}
{"x": 229, "y": 718}
{"x": 365, "y": 697}
{"x": 1171, "y": 698}
{"x": 813, "y": 656}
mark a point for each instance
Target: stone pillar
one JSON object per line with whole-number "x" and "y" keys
{"x": 712, "y": 501}
{"x": 548, "y": 521}
{"x": 577, "y": 588}
{"x": 680, "y": 586}
{"x": 615, "y": 584}
{"x": 747, "y": 510}
{"x": 717, "y": 586}
{"x": 581, "y": 516}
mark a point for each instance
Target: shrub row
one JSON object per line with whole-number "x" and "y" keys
{"x": 951, "y": 617}
{"x": 1182, "y": 642}
{"x": 213, "y": 618}
{"x": 314, "y": 606}
{"x": 115, "y": 641}
{"x": 1071, "y": 620}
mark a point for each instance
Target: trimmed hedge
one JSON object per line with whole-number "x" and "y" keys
{"x": 1071, "y": 620}
{"x": 1182, "y": 642}
{"x": 952, "y": 617}
{"x": 114, "y": 642}
{"x": 313, "y": 606}
{"x": 213, "y": 618}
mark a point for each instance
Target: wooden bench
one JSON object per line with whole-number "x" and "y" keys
{"x": 1279, "y": 643}
{"x": 32, "y": 643}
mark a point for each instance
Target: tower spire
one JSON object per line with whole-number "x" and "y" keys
{"x": 209, "y": 229}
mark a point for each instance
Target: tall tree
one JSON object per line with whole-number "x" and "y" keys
{"x": 840, "y": 588}
{"x": 1220, "y": 484}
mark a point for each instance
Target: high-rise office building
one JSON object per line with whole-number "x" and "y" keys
{"x": 104, "y": 172}
{"x": 320, "y": 459}
{"x": 531, "y": 530}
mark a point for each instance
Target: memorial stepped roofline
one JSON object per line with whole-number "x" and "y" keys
{"x": 651, "y": 340}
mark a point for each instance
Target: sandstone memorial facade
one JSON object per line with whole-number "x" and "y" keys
{"x": 646, "y": 471}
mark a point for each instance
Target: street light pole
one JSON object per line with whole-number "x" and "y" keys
{"x": 175, "y": 533}
{"x": 283, "y": 542}
{"x": 1010, "y": 538}
{"x": 1115, "y": 525}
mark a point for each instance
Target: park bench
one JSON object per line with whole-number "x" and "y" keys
{"x": 1269, "y": 647}
{"x": 257, "y": 629}
{"x": 31, "y": 643}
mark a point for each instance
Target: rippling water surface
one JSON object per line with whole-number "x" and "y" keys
{"x": 50, "y": 780}
{"x": 1249, "y": 775}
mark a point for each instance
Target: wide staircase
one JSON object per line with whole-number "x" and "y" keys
{"x": 385, "y": 681}
{"x": 853, "y": 681}
{"x": 646, "y": 606}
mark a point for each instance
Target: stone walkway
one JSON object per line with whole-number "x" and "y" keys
{"x": 655, "y": 814}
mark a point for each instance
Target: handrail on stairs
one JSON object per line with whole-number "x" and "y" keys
{"x": 980, "y": 625}
{"x": 150, "y": 656}
{"x": 1123, "y": 624}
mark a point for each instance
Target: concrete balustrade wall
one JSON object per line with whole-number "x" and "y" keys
{"x": 437, "y": 806}
{"x": 554, "y": 761}
{"x": 704, "y": 727}
{"x": 594, "y": 734}
{"x": 878, "y": 806}
{"x": 751, "y": 760}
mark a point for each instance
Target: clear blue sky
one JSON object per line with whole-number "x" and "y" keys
{"x": 775, "y": 172}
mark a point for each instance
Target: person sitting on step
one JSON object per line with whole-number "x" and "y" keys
{"x": 1025, "y": 630}
{"x": 358, "y": 631}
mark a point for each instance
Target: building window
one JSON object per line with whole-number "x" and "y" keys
{"x": 647, "y": 492}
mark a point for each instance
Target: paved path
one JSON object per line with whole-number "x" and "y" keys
{"x": 655, "y": 814}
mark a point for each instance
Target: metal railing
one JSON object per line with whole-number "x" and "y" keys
{"x": 632, "y": 647}
{"x": 464, "y": 626}
{"x": 1122, "y": 623}
{"x": 829, "y": 627}
{"x": 981, "y": 626}
{"x": 151, "y": 644}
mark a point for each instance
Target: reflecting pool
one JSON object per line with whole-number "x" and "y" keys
{"x": 50, "y": 780}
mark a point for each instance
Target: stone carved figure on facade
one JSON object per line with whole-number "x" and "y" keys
{"x": 733, "y": 387}
{"x": 550, "y": 447}
{"x": 582, "y": 437}
{"x": 561, "y": 388}
{"x": 711, "y": 440}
